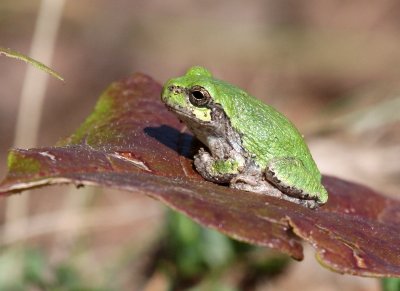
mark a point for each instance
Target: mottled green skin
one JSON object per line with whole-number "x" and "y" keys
{"x": 272, "y": 141}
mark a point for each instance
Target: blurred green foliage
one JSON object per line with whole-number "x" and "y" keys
{"x": 204, "y": 259}
{"x": 390, "y": 284}
{"x": 27, "y": 269}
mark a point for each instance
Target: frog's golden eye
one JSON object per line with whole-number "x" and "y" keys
{"x": 199, "y": 96}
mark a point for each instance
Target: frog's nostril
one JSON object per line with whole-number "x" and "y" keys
{"x": 175, "y": 89}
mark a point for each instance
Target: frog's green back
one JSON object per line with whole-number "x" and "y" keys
{"x": 269, "y": 134}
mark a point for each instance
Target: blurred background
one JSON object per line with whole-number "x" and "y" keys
{"x": 333, "y": 67}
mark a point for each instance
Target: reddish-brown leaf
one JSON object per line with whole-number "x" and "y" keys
{"x": 132, "y": 142}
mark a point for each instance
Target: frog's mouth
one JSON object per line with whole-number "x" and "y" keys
{"x": 187, "y": 116}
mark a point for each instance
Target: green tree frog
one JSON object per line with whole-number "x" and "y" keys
{"x": 251, "y": 146}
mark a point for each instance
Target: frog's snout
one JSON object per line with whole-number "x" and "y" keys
{"x": 165, "y": 93}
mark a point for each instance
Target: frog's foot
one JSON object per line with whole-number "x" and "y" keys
{"x": 260, "y": 185}
{"x": 291, "y": 177}
{"x": 215, "y": 170}
{"x": 254, "y": 183}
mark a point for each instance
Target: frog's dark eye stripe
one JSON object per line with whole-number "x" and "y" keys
{"x": 199, "y": 96}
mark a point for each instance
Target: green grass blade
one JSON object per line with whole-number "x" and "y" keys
{"x": 16, "y": 55}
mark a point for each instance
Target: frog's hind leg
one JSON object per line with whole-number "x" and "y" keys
{"x": 290, "y": 176}
{"x": 260, "y": 185}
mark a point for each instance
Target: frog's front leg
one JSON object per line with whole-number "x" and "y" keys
{"x": 290, "y": 176}
{"x": 216, "y": 170}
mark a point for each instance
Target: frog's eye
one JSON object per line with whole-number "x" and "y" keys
{"x": 199, "y": 96}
